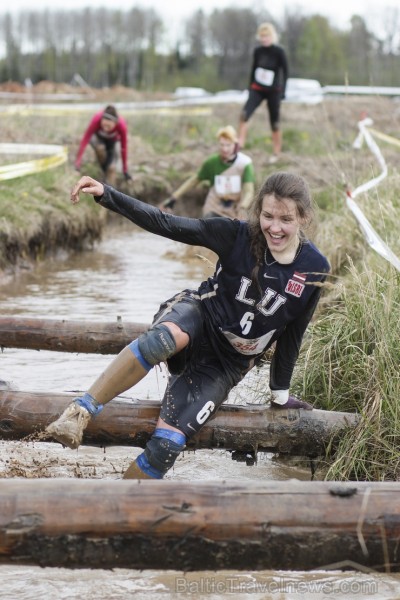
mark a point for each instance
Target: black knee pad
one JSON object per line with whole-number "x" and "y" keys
{"x": 157, "y": 344}
{"x": 164, "y": 448}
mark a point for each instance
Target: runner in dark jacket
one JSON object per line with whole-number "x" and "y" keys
{"x": 269, "y": 73}
{"x": 265, "y": 288}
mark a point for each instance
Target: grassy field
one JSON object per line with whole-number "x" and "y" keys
{"x": 350, "y": 359}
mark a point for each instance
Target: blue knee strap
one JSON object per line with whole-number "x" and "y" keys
{"x": 134, "y": 348}
{"x": 87, "y": 401}
{"x": 164, "y": 460}
{"x": 146, "y": 467}
{"x": 174, "y": 436}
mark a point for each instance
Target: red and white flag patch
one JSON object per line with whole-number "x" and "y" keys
{"x": 295, "y": 286}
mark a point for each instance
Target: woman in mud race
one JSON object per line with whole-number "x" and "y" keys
{"x": 269, "y": 73}
{"x": 105, "y": 129}
{"x": 230, "y": 175}
{"x": 264, "y": 290}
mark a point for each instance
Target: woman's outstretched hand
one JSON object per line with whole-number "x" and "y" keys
{"x": 87, "y": 185}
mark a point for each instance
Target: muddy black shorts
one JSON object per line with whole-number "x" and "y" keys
{"x": 105, "y": 150}
{"x": 199, "y": 382}
{"x": 273, "y": 100}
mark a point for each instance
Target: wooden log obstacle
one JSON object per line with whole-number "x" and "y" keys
{"x": 204, "y": 525}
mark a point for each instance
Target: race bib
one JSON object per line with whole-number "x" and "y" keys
{"x": 244, "y": 346}
{"x": 264, "y": 76}
{"x": 227, "y": 184}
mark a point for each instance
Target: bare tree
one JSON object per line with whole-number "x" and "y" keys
{"x": 197, "y": 38}
{"x": 232, "y": 37}
{"x": 391, "y": 44}
{"x": 360, "y": 45}
{"x": 292, "y": 30}
{"x": 12, "y": 50}
{"x": 108, "y": 46}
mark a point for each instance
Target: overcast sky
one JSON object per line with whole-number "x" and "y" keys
{"x": 339, "y": 12}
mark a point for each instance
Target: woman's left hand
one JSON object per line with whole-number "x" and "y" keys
{"x": 87, "y": 185}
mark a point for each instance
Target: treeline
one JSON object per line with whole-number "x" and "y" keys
{"x": 113, "y": 47}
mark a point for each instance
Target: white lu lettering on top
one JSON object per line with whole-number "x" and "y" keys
{"x": 269, "y": 294}
{"x": 241, "y": 295}
{"x": 261, "y": 306}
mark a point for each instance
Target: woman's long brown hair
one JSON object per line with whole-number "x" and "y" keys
{"x": 282, "y": 185}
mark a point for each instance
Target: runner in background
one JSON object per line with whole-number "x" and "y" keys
{"x": 230, "y": 175}
{"x": 104, "y": 131}
{"x": 268, "y": 78}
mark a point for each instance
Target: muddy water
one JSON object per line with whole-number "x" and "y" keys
{"x": 126, "y": 276}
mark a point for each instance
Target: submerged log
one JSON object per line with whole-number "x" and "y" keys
{"x": 209, "y": 525}
{"x": 68, "y": 336}
{"x": 234, "y": 427}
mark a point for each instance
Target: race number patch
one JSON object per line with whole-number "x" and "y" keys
{"x": 264, "y": 76}
{"x": 227, "y": 184}
{"x": 295, "y": 286}
{"x": 245, "y": 346}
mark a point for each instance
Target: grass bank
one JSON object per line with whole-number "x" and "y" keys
{"x": 351, "y": 363}
{"x": 36, "y": 220}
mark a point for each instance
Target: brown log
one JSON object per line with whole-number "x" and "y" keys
{"x": 248, "y": 427}
{"x": 68, "y": 336}
{"x": 209, "y": 525}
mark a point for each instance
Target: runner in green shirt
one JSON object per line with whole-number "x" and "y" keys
{"x": 230, "y": 175}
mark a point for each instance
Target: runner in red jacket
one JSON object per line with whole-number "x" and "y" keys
{"x": 104, "y": 131}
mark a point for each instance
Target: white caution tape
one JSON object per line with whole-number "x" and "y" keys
{"x": 54, "y": 156}
{"x": 372, "y": 238}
